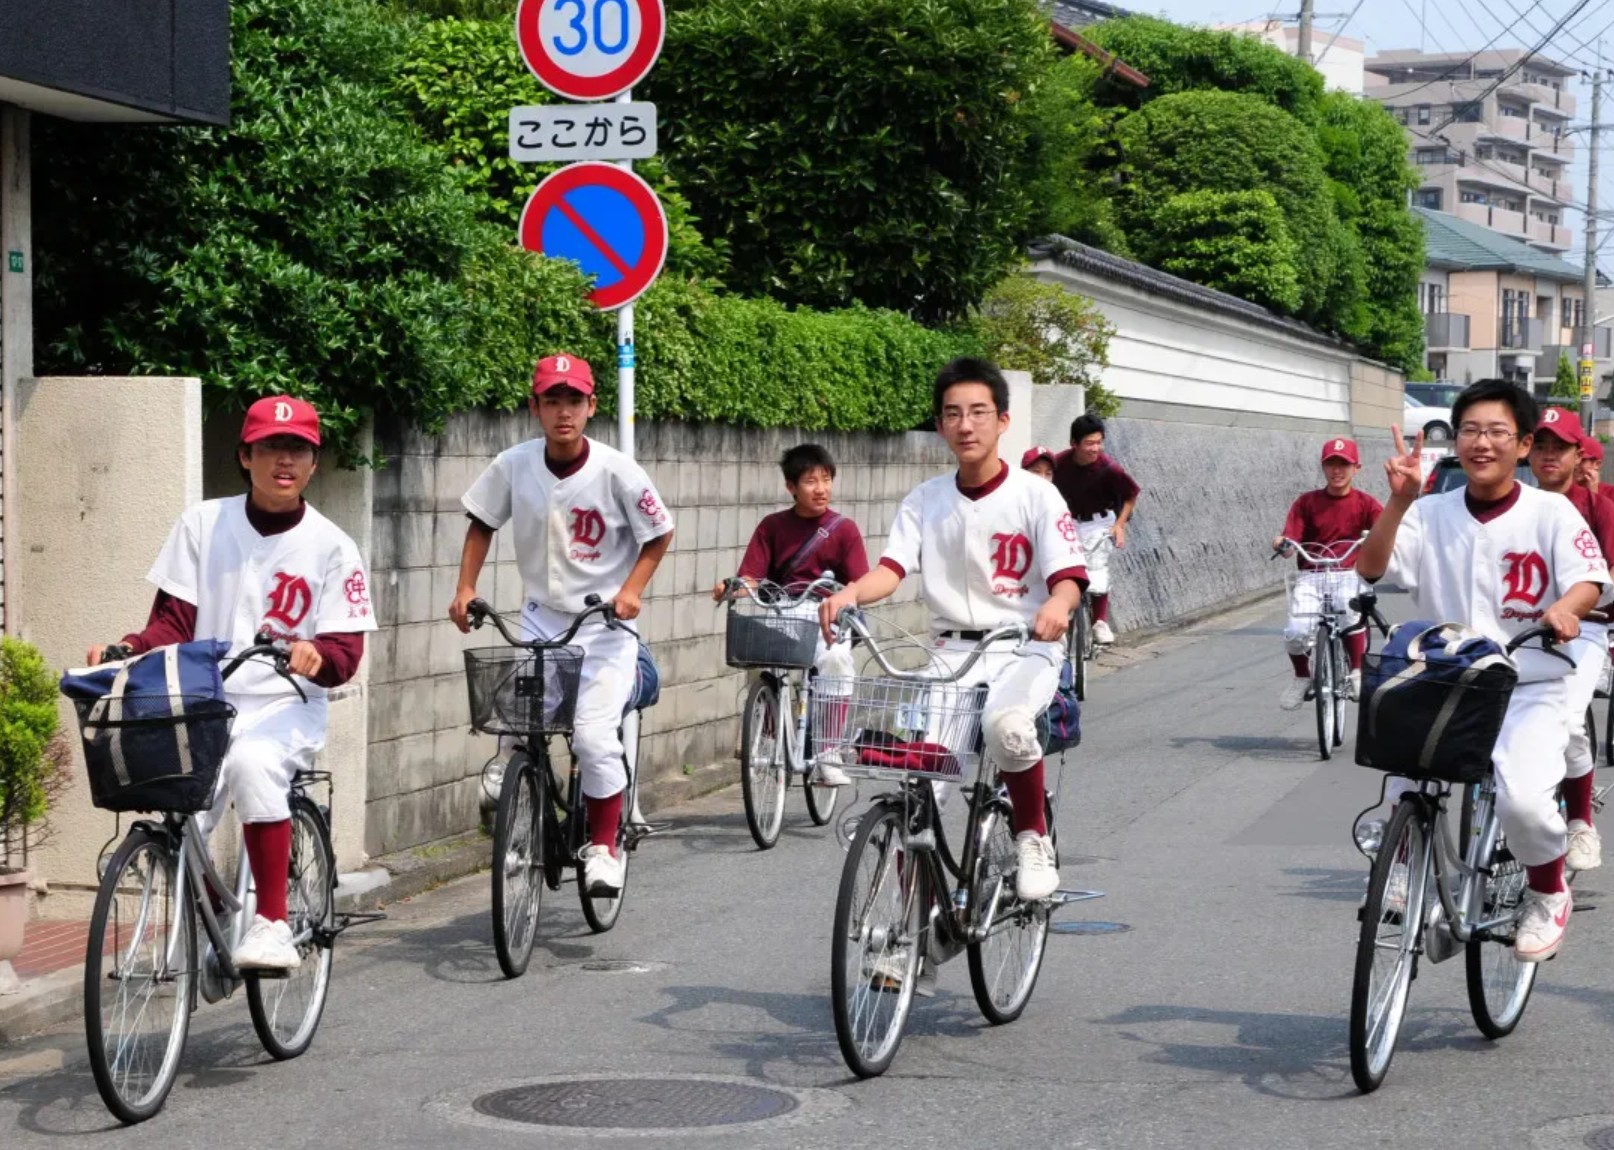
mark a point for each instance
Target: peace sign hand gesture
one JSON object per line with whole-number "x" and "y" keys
{"x": 1404, "y": 469}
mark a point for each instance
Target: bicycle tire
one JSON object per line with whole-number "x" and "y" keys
{"x": 1373, "y": 1034}
{"x": 1322, "y": 673}
{"x": 871, "y": 1014}
{"x": 518, "y": 859}
{"x": 602, "y": 913}
{"x": 1023, "y": 937}
{"x": 1081, "y": 649}
{"x": 763, "y": 771}
{"x": 1591, "y": 732}
{"x": 286, "y": 1011}
{"x": 1341, "y": 689}
{"x": 1608, "y": 732}
{"x": 135, "y": 1076}
{"x": 820, "y": 800}
{"x": 1499, "y": 985}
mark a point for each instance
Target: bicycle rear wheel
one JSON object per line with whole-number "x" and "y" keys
{"x": 1081, "y": 648}
{"x": 518, "y": 859}
{"x": 139, "y": 971}
{"x": 874, "y": 951}
{"x": 1388, "y": 945}
{"x": 1342, "y": 670}
{"x": 1003, "y": 965}
{"x": 1499, "y": 984}
{"x": 820, "y": 800}
{"x": 603, "y": 912}
{"x": 286, "y": 1011}
{"x": 762, "y": 763}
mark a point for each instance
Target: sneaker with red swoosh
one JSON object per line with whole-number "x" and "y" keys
{"x": 1542, "y": 922}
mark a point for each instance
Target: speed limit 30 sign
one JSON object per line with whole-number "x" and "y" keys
{"x": 590, "y": 49}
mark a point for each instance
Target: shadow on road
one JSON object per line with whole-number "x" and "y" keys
{"x": 1262, "y": 748}
{"x": 1328, "y": 883}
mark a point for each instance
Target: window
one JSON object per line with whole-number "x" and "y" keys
{"x": 1432, "y": 298}
{"x": 1433, "y": 156}
{"x": 1483, "y": 151}
{"x": 1423, "y": 113}
{"x": 1469, "y": 197}
{"x": 1427, "y": 198}
{"x": 1469, "y": 113}
{"x": 1510, "y": 110}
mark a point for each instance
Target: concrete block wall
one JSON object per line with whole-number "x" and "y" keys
{"x": 1377, "y": 394}
{"x": 718, "y": 481}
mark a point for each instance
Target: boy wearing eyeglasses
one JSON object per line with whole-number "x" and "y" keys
{"x": 1502, "y": 557}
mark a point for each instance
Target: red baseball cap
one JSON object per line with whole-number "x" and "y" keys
{"x": 1341, "y": 449}
{"x": 1563, "y": 423}
{"x": 1592, "y": 448}
{"x": 563, "y": 371}
{"x": 281, "y": 415}
{"x": 1035, "y": 453}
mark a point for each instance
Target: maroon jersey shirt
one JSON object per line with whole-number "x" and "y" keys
{"x": 781, "y": 535}
{"x": 1092, "y": 490}
{"x": 1318, "y": 517}
{"x": 1598, "y": 514}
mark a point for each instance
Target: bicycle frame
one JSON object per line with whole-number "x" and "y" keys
{"x": 1463, "y": 904}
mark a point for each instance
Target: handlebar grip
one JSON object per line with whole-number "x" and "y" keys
{"x": 591, "y": 601}
{"x": 477, "y": 611}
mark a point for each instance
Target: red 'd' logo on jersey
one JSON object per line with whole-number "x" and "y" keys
{"x": 1525, "y": 581}
{"x": 1011, "y": 560}
{"x": 588, "y": 526}
{"x": 290, "y": 600}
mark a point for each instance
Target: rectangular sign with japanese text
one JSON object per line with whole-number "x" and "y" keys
{"x": 561, "y": 133}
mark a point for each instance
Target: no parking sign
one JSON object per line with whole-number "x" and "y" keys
{"x": 606, "y": 220}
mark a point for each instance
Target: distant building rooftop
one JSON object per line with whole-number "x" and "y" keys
{"x": 1458, "y": 245}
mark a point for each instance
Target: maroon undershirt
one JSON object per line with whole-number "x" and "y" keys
{"x": 173, "y": 620}
{"x": 1486, "y": 510}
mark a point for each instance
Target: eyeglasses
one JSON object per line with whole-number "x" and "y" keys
{"x": 1496, "y": 433}
{"x": 952, "y": 416}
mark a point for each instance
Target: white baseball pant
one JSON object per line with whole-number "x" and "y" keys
{"x": 1306, "y": 605}
{"x": 1590, "y": 657}
{"x": 1022, "y": 681}
{"x": 603, "y": 693}
{"x": 1096, "y": 552}
{"x": 273, "y": 737}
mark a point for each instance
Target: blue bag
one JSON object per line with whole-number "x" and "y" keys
{"x": 646, "y": 681}
{"x": 156, "y": 727}
{"x": 1061, "y": 724}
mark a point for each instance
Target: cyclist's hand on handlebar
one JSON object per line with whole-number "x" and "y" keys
{"x": 1565, "y": 623}
{"x": 1117, "y": 537}
{"x": 304, "y": 659}
{"x": 106, "y": 653}
{"x": 830, "y": 608}
{"x": 459, "y": 609}
{"x": 1052, "y": 621}
{"x": 626, "y": 605}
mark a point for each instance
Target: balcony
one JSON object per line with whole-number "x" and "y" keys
{"x": 1512, "y": 128}
{"x": 1554, "y": 237}
{"x": 1445, "y": 330}
{"x": 1602, "y": 342}
{"x": 1547, "y": 361}
{"x": 1546, "y": 185}
{"x": 1522, "y": 336}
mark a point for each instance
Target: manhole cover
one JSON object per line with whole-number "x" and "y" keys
{"x": 620, "y": 966}
{"x": 1602, "y": 1139}
{"x": 1086, "y": 927}
{"x": 636, "y": 1103}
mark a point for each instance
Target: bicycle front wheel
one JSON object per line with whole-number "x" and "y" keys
{"x": 139, "y": 971}
{"x": 1322, "y": 690}
{"x": 1005, "y": 962}
{"x": 1499, "y": 984}
{"x": 286, "y": 1011}
{"x": 1387, "y": 947}
{"x": 518, "y": 859}
{"x": 1342, "y": 670}
{"x": 874, "y": 954}
{"x": 762, "y": 763}
{"x": 1081, "y": 649}
{"x": 603, "y": 912}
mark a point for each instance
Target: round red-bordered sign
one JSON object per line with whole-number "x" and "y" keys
{"x": 606, "y": 220}
{"x": 590, "y": 49}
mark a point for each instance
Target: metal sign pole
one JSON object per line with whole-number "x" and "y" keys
{"x": 626, "y": 363}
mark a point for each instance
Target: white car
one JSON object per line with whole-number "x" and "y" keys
{"x": 1434, "y": 422}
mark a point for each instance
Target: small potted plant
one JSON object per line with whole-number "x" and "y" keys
{"x": 33, "y": 770}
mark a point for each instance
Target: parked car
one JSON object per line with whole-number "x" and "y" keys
{"x": 1447, "y": 473}
{"x": 1438, "y": 393}
{"x": 1434, "y": 422}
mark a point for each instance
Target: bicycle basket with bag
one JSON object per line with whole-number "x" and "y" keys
{"x": 156, "y": 727}
{"x": 1433, "y": 702}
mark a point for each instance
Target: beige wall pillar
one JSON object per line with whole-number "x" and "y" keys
{"x": 16, "y": 325}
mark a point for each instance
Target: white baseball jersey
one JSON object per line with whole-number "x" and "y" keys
{"x": 295, "y": 585}
{"x": 576, "y": 536}
{"x": 1497, "y": 577}
{"x": 986, "y": 562}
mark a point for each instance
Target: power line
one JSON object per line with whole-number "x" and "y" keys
{"x": 1512, "y": 69}
{"x": 1472, "y": 56}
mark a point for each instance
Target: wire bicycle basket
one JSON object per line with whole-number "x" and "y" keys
{"x": 771, "y": 634}
{"x": 1321, "y": 591}
{"x": 154, "y": 752}
{"x": 523, "y": 692}
{"x": 887, "y": 728}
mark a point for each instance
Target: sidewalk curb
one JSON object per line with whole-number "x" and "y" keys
{"x": 42, "y": 1003}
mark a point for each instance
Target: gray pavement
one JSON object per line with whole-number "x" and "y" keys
{"x": 1217, "y": 1020}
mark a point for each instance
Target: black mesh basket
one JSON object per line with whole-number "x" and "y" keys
{"x": 760, "y": 635}
{"x": 518, "y": 691}
{"x": 154, "y": 752}
{"x": 1430, "y": 720}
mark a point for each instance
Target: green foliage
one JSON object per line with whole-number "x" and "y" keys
{"x": 1236, "y": 242}
{"x": 462, "y": 10}
{"x": 30, "y": 759}
{"x": 1069, "y": 135}
{"x": 1056, "y": 335}
{"x": 1177, "y": 58}
{"x": 856, "y": 150}
{"x": 1565, "y": 384}
{"x": 1420, "y": 374}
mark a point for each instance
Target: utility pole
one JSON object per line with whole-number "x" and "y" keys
{"x": 1588, "y": 342}
{"x": 1304, "y": 47}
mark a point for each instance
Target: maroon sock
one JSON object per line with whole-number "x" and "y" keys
{"x": 604, "y": 820}
{"x": 1302, "y": 665}
{"x": 1355, "y": 648}
{"x": 1548, "y": 878}
{"x": 1025, "y": 796}
{"x": 269, "y": 853}
{"x": 1101, "y": 608}
{"x": 1578, "y": 795}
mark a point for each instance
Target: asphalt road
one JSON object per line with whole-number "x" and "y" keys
{"x": 1217, "y": 1019}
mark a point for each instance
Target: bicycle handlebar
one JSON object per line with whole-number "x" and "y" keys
{"x": 279, "y": 653}
{"x": 734, "y": 587}
{"x": 851, "y": 620}
{"x": 478, "y": 611}
{"x": 1549, "y": 642}
{"x": 1318, "y": 554}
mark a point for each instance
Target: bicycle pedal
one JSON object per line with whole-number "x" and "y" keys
{"x": 1066, "y": 897}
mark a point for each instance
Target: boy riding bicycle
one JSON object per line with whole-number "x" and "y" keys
{"x": 1101, "y": 496}
{"x": 265, "y": 561}
{"x": 587, "y": 521}
{"x": 1331, "y": 517}
{"x": 1501, "y": 557}
{"x": 796, "y": 547}
{"x": 993, "y": 546}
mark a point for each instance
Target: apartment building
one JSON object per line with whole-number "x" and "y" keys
{"x": 1492, "y": 151}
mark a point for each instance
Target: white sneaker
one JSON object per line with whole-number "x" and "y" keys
{"x": 1585, "y": 847}
{"x": 1102, "y": 633}
{"x": 1037, "y": 875}
{"x": 267, "y": 946}
{"x": 1542, "y": 922}
{"x": 888, "y": 971}
{"x": 602, "y": 872}
{"x": 827, "y": 774}
{"x": 1353, "y": 686}
{"x": 1294, "y": 694}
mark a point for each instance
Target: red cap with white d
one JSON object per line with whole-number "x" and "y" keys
{"x": 1032, "y": 454}
{"x": 1563, "y": 423}
{"x": 1592, "y": 447}
{"x": 1341, "y": 449}
{"x": 563, "y": 371}
{"x": 281, "y": 415}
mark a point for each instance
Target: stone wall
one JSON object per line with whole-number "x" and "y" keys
{"x": 718, "y": 481}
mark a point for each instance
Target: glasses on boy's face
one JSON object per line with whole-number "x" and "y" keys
{"x": 953, "y": 416}
{"x": 1495, "y": 433}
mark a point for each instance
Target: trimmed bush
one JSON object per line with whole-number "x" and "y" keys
{"x": 1235, "y": 242}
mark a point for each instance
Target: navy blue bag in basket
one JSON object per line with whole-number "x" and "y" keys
{"x": 646, "y": 681}
{"x": 1061, "y": 724}
{"x": 156, "y": 727}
